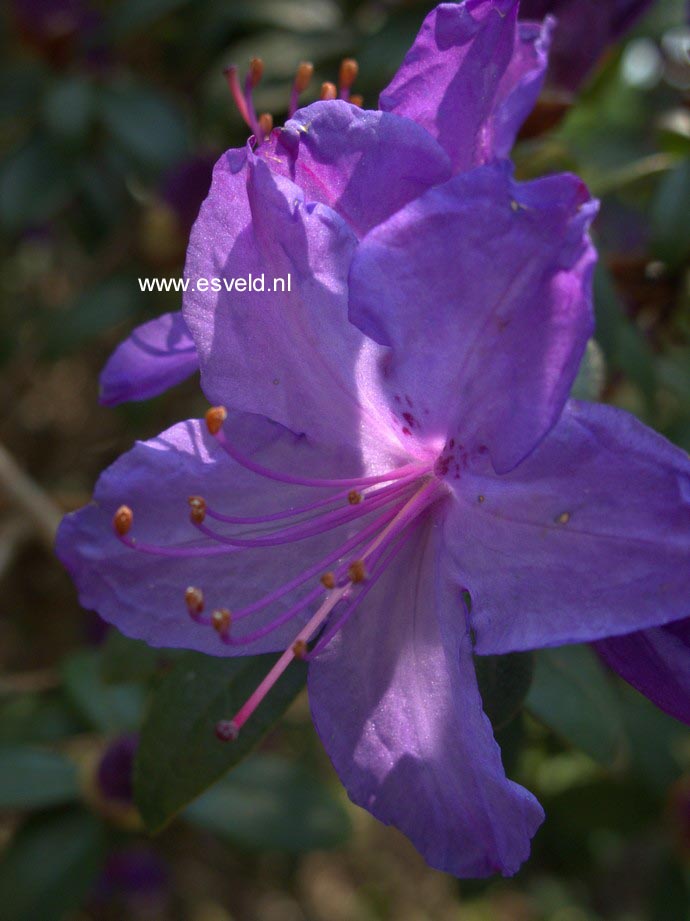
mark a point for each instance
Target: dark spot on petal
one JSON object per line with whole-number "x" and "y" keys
{"x": 406, "y": 431}
{"x": 410, "y": 419}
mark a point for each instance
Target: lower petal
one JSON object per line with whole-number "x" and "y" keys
{"x": 395, "y": 701}
{"x": 156, "y": 356}
{"x": 657, "y": 663}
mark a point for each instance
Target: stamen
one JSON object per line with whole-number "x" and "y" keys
{"x": 265, "y": 125}
{"x": 254, "y": 75}
{"x": 410, "y": 511}
{"x": 357, "y": 100}
{"x": 234, "y": 87}
{"x": 328, "y": 580}
{"x": 357, "y": 572}
{"x": 305, "y": 71}
{"x": 221, "y": 620}
{"x": 197, "y": 506}
{"x": 318, "y": 525}
{"x": 354, "y": 497}
{"x": 218, "y": 414}
{"x": 349, "y": 68}
{"x": 122, "y": 520}
{"x": 328, "y": 91}
{"x": 299, "y": 649}
{"x": 194, "y": 599}
{"x": 215, "y": 417}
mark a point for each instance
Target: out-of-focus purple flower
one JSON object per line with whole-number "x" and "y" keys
{"x": 134, "y": 874}
{"x": 400, "y": 436}
{"x": 55, "y": 28}
{"x": 584, "y": 29}
{"x": 115, "y": 771}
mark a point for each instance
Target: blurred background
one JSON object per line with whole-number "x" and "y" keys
{"x": 111, "y": 116}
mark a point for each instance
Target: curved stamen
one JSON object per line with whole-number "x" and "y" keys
{"x": 301, "y": 510}
{"x": 318, "y": 525}
{"x": 214, "y": 423}
{"x": 234, "y": 87}
{"x": 305, "y": 71}
{"x": 254, "y": 75}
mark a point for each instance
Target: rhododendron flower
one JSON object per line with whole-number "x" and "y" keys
{"x": 393, "y": 478}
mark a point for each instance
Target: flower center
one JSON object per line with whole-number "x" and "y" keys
{"x": 379, "y": 513}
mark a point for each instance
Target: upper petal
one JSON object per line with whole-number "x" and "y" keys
{"x": 482, "y": 290}
{"x": 395, "y": 700}
{"x": 657, "y": 663}
{"x": 470, "y": 78}
{"x": 156, "y": 356}
{"x": 290, "y": 354}
{"x": 365, "y": 165}
{"x": 588, "y": 538}
{"x": 143, "y": 594}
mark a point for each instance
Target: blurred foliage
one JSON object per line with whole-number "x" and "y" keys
{"x": 110, "y": 116}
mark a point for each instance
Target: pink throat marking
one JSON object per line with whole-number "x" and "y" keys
{"x": 400, "y": 498}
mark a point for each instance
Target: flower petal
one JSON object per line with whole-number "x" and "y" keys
{"x": 365, "y": 165}
{"x": 657, "y": 663}
{"x": 292, "y": 354}
{"x": 156, "y": 356}
{"x": 588, "y": 538}
{"x": 482, "y": 289}
{"x": 470, "y": 78}
{"x": 395, "y": 700}
{"x": 142, "y": 594}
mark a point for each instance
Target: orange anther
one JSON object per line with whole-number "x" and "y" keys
{"x": 215, "y": 417}
{"x": 197, "y": 506}
{"x": 328, "y": 580}
{"x": 299, "y": 649}
{"x": 220, "y": 620}
{"x": 305, "y": 72}
{"x": 122, "y": 520}
{"x": 354, "y": 497}
{"x": 349, "y": 69}
{"x": 256, "y": 70}
{"x": 194, "y": 599}
{"x": 357, "y": 571}
{"x": 266, "y": 123}
{"x": 329, "y": 91}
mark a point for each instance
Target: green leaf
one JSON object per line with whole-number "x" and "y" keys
{"x": 591, "y": 375}
{"x": 268, "y": 802}
{"x": 671, "y": 216}
{"x": 144, "y": 124}
{"x": 572, "y": 695}
{"x": 36, "y": 718}
{"x": 135, "y": 15}
{"x": 179, "y": 756}
{"x": 108, "y": 708}
{"x": 504, "y": 682}
{"x": 50, "y": 866}
{"x": 34, "y": 186}
{"x": 67, "y": 109}
{"x": 124, "y": 659}
{"x": 33, "y": 778}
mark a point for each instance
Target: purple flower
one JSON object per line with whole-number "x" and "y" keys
{"x": 115, "y": 773}
{"x": 400, "y": 438}
{"x": 584, "y": 29}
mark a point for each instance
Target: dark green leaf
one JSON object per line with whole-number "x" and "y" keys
{"x": 50, "y": 866}
{"x": 34, "y": 185}
{"x": 572, "y": 695}
{"x": 180, "y": 756}
{"x": 124, "y": 659}
{"x": 269, "y": 802}
{"x": 504, "y": 682}
{"x": 671, "y": 216}
{"x": 67, "y": 109}
{"x": 107, "y": 707}
{"x": 35, "y": 778}
{"x": 144, "y": 124}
